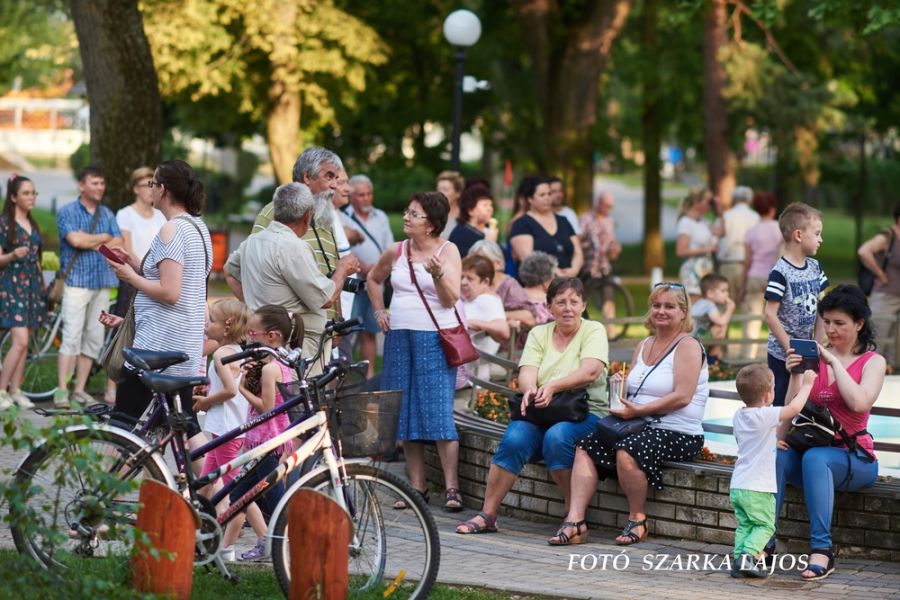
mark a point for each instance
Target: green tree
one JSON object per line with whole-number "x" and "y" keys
{"x": 37, "y": 43}
{"x": 276, "y": 61}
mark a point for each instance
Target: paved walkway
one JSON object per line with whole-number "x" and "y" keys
{"x": 518, "y": 559}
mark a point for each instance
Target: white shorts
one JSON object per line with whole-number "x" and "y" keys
{"x": 82, "y": 332}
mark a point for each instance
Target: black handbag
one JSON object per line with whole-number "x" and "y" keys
{"x": 571, "y": 405}
{"x": 815, "y": 426}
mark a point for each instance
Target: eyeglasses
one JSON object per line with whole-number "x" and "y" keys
{"x": 152, "y": 184}
{"x": 149, "y": 184}
{"x": 413, "y": 214}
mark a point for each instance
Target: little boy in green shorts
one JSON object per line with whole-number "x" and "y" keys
{"x": 753, "y": 483}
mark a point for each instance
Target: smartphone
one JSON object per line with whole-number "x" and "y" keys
{"x": 105, "y": 251}
{"x": 810, "y": 353}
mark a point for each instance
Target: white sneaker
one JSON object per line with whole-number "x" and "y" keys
{"x": 61, "y": 398}
{"x": 81, "y": 397}
{"x": 22, "y": 400}
{"x": 228, "y": 554}
{"x": 6, "y": 400}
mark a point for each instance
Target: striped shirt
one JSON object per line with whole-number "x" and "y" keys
{"x": 179, "y": 326}
{"x": 90, "y": 269}
{"x": 797, "y": 290}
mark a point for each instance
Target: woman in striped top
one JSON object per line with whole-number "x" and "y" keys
{"x": 169, "y": 307}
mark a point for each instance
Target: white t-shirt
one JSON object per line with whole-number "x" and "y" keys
{"x": 142, "y": 230}
{"x": 738, "y": 219}
{"x": 571, "y": 217}
{"x": 698, "y": 232}
{"x": 222, "y": 418}
{"x": 486, "y": 307}
{"x": 756, "y": 435}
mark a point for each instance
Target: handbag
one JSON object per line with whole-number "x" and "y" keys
{"x": 866, "y": 278}
{"x": 56, "y": 288}
{"x": 457, "y": 344}
{"x": 813, "y": 427}
{"x": 612, "y": 429}
{"x": 571, "y": 405}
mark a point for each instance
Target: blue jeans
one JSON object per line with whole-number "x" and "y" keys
{"x": 525, "y": 443}
{"x": 821, "y": 471}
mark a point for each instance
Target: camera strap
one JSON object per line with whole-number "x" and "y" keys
{"x": 322, "y": 248}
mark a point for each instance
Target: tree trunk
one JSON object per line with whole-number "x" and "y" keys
{"x": 126, "y": 115}
{"x": 283, "y": 130}
{"x": 720, "y": 160}
{"x": 283, "y": 117}
{"x": 654, "y": 250}
{"x": 568, "y": 61}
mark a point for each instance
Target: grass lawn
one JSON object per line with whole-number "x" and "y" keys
{"x": 256, "y": 581}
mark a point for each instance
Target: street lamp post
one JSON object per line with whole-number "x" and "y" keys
{"x": 462, "y": 29}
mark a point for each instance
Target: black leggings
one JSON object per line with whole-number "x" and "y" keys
{"x": 133, "y": 398}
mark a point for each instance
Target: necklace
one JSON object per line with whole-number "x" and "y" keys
{"x": 650, "y": 358}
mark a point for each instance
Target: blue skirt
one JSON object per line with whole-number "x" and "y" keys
{"x": 414, "y": 362}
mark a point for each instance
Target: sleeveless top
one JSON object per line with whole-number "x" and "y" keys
{"x": 267, "y": 430}
{"x": 891, "y": 269}
{"x": 661, "y": 382}
{"x": 407, "y": 311}
{"x": 222, "y": 418}
{"x": 829, "y": 395}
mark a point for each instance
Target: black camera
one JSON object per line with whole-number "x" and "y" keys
{"x": 354, "y": 285}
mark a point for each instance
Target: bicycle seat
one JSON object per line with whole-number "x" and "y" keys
{"x": 152, "y": 360}
{"x": 160, "y": 382}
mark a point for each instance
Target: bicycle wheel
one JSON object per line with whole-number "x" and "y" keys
{"x": 75, "y": 502}
{"x": 39, "y": 381}
{"x": 607, "y": 297}
{"x": 390, "y": 548}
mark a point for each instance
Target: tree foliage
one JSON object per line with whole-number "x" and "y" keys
{"x": 270, "y": 60}
{"x": 38, "y": 43}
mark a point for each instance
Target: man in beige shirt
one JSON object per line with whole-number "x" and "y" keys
{"x": 275, "y": 266}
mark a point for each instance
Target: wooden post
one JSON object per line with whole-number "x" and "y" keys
{"x": 171, "y": 524}
{"x": 319, "y": 544}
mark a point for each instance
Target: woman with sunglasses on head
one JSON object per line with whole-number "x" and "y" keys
{"x": 414, "y": 359}
{"x": 22, "y": 306}
{"x": 170, "y": 303}
{"x": 667, "y": 384}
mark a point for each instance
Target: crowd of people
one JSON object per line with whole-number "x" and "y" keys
{"x": 321, "y": 250}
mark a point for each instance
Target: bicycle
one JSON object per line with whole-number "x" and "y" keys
{"x": 398, "y": 546}
{"x": 611, "y": 298}
{"x": 39, "y": 380}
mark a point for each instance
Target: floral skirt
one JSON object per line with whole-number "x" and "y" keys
{"x": 650, "y": 448}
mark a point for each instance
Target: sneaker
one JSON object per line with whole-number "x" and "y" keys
{"x": 81, "y": 397}
{"x": 257, "y": 552}
{"x": 750, "y": 567}
{"x": 61, "y": 398}
{"x": 228, "y": 554}
{"x": 6, "y": 400}
{"x": 22, "y": 400}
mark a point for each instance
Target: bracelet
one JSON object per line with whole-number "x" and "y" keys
{"x": 437, "y": 276}
{"x": 379, "y": 312}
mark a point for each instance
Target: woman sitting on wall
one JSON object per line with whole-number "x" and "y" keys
{"x": 567, "y": 354}
{"x": 667, "y": 385}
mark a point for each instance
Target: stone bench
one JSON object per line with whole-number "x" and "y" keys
{"x": 694, "y": 504}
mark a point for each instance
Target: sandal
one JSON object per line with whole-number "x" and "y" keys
{"x": 629, "y": 533}
{"x": 452, "y": 500}
{"x": 563, "y": 539}
{"x": 470, "y": 526}
{"x": 819, "y": 571}
{"x": 401, "y": 504}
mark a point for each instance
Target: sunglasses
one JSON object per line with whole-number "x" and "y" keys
{"x": 673, "y": 285}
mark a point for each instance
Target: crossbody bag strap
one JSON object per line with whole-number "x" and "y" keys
{"x": 94, "y": 221}
{"x": 412, "y": 276}
{"x": 205, "y": 251}
{"x": 366, "y": 231}
{"x": 656, "y": 364}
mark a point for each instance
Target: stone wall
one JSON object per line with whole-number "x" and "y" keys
{"x": 694, "y": 504}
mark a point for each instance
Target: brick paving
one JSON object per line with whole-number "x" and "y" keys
{"x": 518, "y": 559}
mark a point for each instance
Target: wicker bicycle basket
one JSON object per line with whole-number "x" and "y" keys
{"x": 368, "y": 424}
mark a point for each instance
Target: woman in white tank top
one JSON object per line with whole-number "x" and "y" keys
{"x": 414, "y": 359}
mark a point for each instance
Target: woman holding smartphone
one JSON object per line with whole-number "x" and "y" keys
{"x": 851, "y": 375}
